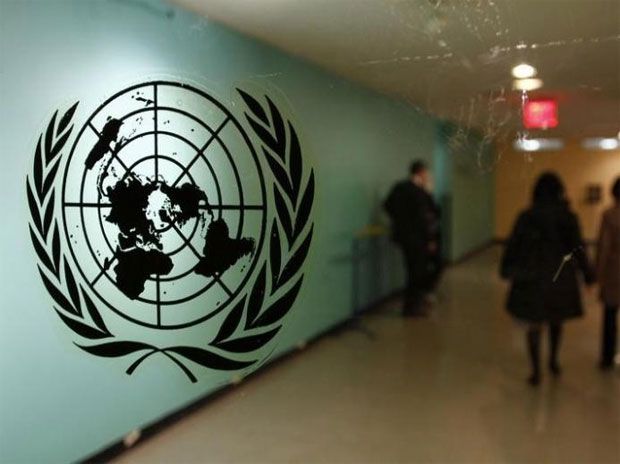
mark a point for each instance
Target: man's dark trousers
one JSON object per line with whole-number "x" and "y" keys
{"x": 417, "y": 277}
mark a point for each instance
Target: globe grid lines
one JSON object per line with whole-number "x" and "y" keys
{"x": 156, "y": 147}
{"x": 241, "y": 207}
{"x": 103, "y": 271}
{"x": 155, "y": 133}
{"x": 191, "y": 179}
{"x": 129, "y": 171}
{"x": 205, "y": 126}
{"x": 200, "y": 154}
{"x": 156, "y": 157}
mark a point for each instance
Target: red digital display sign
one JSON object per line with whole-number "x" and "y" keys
{"x": 540, "y": 114}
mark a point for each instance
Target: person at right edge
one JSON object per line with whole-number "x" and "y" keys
{"x": 415, "y": 229}
{"x": 608, "y": 275}
{"x": 543, "y": 258}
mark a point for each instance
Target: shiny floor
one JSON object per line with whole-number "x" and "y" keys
{"x": 449, "y": 388}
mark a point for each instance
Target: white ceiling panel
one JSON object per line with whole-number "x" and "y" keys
{"x": 453, "y": 57}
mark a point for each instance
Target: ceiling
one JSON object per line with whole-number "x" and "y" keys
{"x": 453, "y": 57}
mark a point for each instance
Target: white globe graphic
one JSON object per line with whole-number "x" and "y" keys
{"x": 164, "y": 205}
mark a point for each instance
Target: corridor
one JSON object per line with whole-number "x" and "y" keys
{"x": 449, "y": 388}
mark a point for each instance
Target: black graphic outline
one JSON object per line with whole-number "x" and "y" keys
{"x": 214, "y": 136}
{"x": 255, "y": 319}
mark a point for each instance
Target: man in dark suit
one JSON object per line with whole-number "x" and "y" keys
{"x": 415, "y": 228}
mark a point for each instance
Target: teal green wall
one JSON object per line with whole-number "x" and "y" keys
{"x": 442, "y": 177}
{"x": 58, "y": 404}
{"x": 467, "y": 188}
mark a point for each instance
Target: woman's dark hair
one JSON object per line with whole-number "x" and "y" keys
{"x": 417, "y": 167}
{"x": 548, "y": 188}
{"x": 615, "y": 189}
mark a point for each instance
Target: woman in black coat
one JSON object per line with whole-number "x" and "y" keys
{"x": 543, "y": 258}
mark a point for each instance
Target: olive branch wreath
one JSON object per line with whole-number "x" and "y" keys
{"x": 254, "y": 320}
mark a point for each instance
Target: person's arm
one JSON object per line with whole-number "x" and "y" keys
{"x": 513, "y": 249}
{"x": 417, "y": 211}
{"x": 390, "y": 203}
{"x": 603, "y": 245}
{"x": 579, "y": 250}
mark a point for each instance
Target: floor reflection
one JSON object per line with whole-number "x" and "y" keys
{"x": 448, "y": 388}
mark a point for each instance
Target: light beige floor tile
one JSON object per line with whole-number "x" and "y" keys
{"x": 449, "y": 388}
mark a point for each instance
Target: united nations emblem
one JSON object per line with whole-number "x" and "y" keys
{"x": 168, "y": 218}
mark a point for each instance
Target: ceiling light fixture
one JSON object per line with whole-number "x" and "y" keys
{"x": 523, "y": 71}
{"x": 527, "y": 84}
{"x": 530, "y": 145}
{"x": 608, "y": 144}
{"x": 600, "y": 143}
{"x": 540, "y": 144}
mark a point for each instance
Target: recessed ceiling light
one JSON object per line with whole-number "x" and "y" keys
{"x": 538, "y": 144}
{"x": 523, "y": 71}
{"x": 527, "y": 84}
{"x": 609, "y": 144}
{"x": 530, "y": 145}
{"x": 599, "y": 143}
